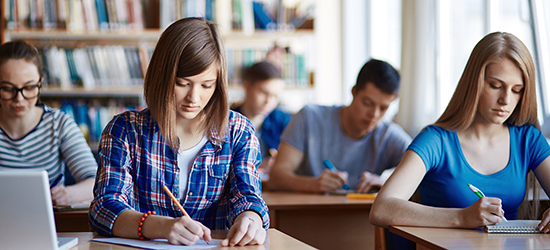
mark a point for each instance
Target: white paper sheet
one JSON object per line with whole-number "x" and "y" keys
{"x": 158, "y": 243}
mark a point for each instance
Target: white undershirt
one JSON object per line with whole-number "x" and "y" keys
{"x": 186, "y": 158}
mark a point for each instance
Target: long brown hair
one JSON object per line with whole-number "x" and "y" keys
{"x": 462, "y": 108}
{"x": 186, "y": 48}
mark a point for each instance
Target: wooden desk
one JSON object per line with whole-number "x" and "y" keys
{"x": 72, "y": 221}
{"x": 323, "y": 221}
{"x": 448, "y": 238}
{"x": 276, "y": 240}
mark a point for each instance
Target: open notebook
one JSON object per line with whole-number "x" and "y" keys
{"x": 514, "y": 226}
{"x": 26, "y": 213}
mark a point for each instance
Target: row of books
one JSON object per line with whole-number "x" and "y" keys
{"x": 272, "y": 14}
{"x": 171, "y": 10}
{"x": 75, "y": 15}
{"x": 80, "y": 15}
{"x": 92, "y": 116}
{"x": 242, "y": 15}
{"x": 107, "y": 66}
{"x": 94, "y": 66}
{"x": 293, "y": 66}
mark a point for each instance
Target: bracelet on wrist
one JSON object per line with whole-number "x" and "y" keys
{"x": 140, "y": 225}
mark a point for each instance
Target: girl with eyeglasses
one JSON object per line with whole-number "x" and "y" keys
{"x": 35, "y": 136}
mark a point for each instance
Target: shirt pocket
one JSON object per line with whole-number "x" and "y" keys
{"x": 217, "y": 177}
{"x": 219, "y": 172}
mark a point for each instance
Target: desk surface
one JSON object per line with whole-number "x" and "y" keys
{"x": 276, "y": 240}
{"x": 450, "y": 238}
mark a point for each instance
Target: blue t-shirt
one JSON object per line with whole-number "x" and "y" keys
{"x": 271, "y": 130}
{"x": 448, "y": 173}
{"x": 316, "y": 132}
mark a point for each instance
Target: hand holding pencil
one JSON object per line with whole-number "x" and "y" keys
{"x": 186, "y": 230}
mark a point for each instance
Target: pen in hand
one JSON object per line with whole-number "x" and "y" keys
{"x": 331, "y": 167}
{"x": 480, "y": 194}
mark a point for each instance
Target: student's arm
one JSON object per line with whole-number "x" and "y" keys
{"x": 80, "y": 161}
{"x": 542, "y": 172}
{"x": 248, "y": 215}
{"x": 79, "y": 192}
{"x": 283, "y": 177}
{"x": 392, "y": 205}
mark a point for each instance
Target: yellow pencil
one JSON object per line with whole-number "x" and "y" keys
{"x": 360, "y": 196}
{"x": 179, "y": 205}
{"x": 175, "y": 201}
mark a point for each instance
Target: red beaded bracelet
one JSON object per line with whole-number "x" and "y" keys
{"x": 145, "y": 215}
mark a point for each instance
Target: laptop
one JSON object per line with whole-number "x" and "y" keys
{"x": 26, "y": 212}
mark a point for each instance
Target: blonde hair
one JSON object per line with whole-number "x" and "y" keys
{"x": 186, "y": 48}
{"x": 462, "y": 108}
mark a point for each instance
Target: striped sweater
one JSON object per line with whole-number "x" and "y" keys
{"x": 54, "y": 144}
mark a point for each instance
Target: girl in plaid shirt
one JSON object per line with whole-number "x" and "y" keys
{"x": 186, "y": 140}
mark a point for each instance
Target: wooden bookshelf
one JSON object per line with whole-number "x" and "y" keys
{"x": 144, "y": 40}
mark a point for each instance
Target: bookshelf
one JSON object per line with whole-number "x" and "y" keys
{"x": 67, "y": 44}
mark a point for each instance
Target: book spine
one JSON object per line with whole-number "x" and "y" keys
{"x": 209, "y": 12}
{"x": 62, "y": 14}
{"x": 121, "y": 11}
{"x": 223, "y": 12}
{"x": 247, "y": 16}
{"x": 138, "y": 14}
{"x": 111, "y": 14}
{"x": 237, "y": 15}
{"x": 64, "y": 74}
{"x": 33, "y": 14}
{"x": 93, "y": 65}
{"x": 103, "y": 22}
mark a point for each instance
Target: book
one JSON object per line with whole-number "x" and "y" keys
{"x": 90, "y": 15}
{"x": 514, "y": 226}
{"x": 102, "y": 15}
{"x": 262, "y": 19}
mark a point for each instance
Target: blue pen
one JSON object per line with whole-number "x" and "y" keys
{"x": 56, "y": 181}
{"x": 480, "y": 194}
{"x": 331, "y": 167}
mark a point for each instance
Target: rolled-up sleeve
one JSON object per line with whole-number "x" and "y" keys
{"x": 113, "y": 188}
{"x": 245, "y": 184}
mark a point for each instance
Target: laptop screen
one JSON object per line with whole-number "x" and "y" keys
{"x": 26, "y": 211}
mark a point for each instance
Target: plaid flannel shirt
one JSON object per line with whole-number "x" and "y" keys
{"x": 136, "y": 162}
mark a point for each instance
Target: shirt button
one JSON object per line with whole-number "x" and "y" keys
{"x": 224, "y": 175}
{"x": 190, "y": 194}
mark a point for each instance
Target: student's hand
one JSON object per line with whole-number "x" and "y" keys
{"x": 186, "y": 231}
{"x": 60, "y": 195}
{"x": 369, "y": 181}
{"x": 485, "y": 211}
{"x": 247, "y": 230}
{"x": 544, "y": 225}
{"x": 330, "y": 181}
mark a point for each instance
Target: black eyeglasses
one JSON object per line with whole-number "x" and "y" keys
{"x": 10, "y": 92}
